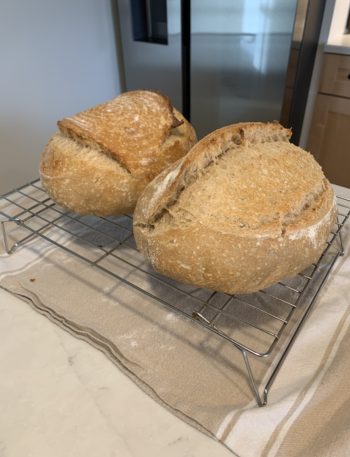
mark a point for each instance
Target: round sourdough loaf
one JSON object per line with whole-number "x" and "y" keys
{"x": 101, "y": 159}
{"x": 242, "y": 210}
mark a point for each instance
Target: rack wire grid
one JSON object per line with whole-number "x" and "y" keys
{"x": 262, "y": 325}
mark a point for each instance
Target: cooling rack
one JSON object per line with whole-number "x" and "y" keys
{"x": 262, "y": 326}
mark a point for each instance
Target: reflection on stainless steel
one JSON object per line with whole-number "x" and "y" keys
{"x": 239, "y": 60}
{"x": 299, "y": 24}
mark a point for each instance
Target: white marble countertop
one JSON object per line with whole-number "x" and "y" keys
{"x": 338, "y": 42}
{"x": 339, "y": 45}
{"x": 61, "y": 397}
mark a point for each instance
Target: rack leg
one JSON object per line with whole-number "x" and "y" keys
{"x": 341, "y": 244}
{"x": 5, "y": 239}
{"x": 11, "y": 249}
{"x": 252, "y": 382}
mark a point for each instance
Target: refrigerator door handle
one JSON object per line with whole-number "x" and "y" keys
{"x": 186, "y": 57}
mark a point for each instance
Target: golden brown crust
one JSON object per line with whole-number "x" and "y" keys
{"x": 131, "y": 128}
{"x": 242, "y": 210}
{"x": 201, "y": 155}
{"x": 80, "y": 174}
{"x": 85, "y": 181}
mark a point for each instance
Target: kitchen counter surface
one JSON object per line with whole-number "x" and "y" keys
{"x": 339, "y": 45}
{"x": 335, "y": 16}
{"x": 61, "y": 397}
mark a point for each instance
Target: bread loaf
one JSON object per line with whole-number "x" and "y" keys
{"x": 242, "y": 210}
{"x": 101, "y": 159}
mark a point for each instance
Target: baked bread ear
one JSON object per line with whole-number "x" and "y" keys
{"x": 101, "y": 159}
{"x": 242, "y": 210}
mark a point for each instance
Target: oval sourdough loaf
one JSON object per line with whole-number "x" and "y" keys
{"x": 242, "y": 210}
{"x": 101, "y": 159}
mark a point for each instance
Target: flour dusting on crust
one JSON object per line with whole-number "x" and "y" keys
{"x": 312, "y": 231}
{"x": 163, "y": 184}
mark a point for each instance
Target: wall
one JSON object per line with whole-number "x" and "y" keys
{"x": 57, "y": 58}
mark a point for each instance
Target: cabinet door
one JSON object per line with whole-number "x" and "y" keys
{"x": 329, "y": 138}
{"x": 335, "y": 77}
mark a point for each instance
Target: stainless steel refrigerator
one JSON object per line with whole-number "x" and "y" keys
{"x": 223, "y": 61}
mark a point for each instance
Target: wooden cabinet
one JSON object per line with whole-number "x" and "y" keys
{"x": 335, "y": 77}
{"x": 329, "y": 136}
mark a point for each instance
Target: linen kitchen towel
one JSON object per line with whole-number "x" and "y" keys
{"x": 197, "y": 375}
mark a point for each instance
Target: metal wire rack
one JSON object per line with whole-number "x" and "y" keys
{"x": 262, "y": 326}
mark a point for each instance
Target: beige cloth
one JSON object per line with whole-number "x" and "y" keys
{"x": 189, "y": 370}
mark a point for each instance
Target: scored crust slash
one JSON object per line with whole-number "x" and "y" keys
{"x": 242, "y": 210}
{"x": 100, "y": 160}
